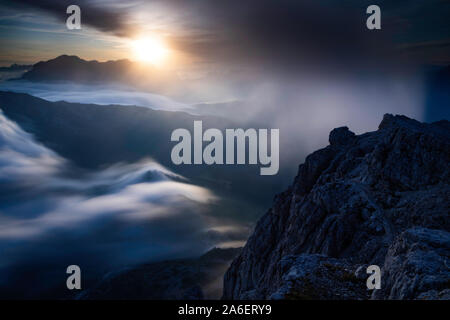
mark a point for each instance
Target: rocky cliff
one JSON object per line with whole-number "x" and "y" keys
{"x": 380, "y": 198}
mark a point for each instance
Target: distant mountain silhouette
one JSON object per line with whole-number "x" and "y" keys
{"x": 69, "y": 68}
{"x": 73, "y": 68}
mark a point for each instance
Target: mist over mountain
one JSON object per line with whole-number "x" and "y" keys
{"x": 54, "y": 214}
{"x": 117, "y": 143}
{"x": 77, "y": 174}
{"x": 97, "y": 181}
{"x": 247, "y": 95}
{"x": 101, "y": 94}
{"x": 93, "y": 136}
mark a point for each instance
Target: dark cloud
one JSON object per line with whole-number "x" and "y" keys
{"x": 292, "y": 35}
{"x": 260, "y": 31}
{"x": 104, "y": 17}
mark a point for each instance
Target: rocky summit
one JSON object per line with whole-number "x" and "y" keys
{"x": 380, "y": 198}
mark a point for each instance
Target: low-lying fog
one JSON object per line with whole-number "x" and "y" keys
{"x": 53, "y": 215}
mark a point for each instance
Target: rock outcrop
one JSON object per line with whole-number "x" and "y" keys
{"x": 380, "y": 198}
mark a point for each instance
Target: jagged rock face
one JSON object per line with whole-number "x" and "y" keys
{"x": 378, "y": 198}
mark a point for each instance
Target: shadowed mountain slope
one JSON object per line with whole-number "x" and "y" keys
{"x": 192, "y": 279}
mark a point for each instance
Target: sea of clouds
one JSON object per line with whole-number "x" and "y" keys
{"x": 53, "y": 214}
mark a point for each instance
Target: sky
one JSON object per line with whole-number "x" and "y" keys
{"x": 252, "y": 33}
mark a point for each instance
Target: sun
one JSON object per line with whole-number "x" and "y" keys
{"x": 150, "y": 50}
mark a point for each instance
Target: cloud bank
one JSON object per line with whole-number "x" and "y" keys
{"x": 53, "y": 215}
{"x": 97, "y": 94}
{"x": 105, "y": 17}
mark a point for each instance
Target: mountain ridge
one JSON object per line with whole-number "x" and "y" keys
{"x": 73, "y": 68}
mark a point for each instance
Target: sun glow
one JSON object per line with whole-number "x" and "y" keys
{"x": 150, "y": 50}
